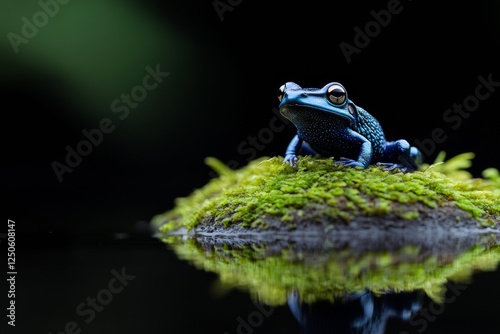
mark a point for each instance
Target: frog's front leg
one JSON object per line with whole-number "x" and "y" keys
{"x": 292, "y": 151}
{"x": 399, "y": 154}
{"x": 365, "y": 152}
{"x": 296, "y": 146}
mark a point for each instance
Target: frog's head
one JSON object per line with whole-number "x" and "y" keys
{"x": 331, "y": 99}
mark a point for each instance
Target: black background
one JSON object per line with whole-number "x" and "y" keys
{"x": 426, "y": 59}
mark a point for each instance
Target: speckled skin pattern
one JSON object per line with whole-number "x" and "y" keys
{"x": 329, "y": 124}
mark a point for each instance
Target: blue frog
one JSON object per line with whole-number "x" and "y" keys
{"x": 329, "y": 124}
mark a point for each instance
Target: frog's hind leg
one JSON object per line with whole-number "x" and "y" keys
{"x": 416, "y": 156}
{"x": 399, "y": 154}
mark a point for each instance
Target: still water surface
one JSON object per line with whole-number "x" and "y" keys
{"x": 278, "y": 284}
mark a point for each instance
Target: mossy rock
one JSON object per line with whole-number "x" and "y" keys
{"x": 318, "y": 197}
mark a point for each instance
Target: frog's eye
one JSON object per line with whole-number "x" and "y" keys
{"x": 281, "y": 92}
{"x": 336, "y": 94}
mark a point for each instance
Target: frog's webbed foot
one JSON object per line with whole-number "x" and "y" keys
{"x": 390, "y": 166}
{"x": 291, "y": 159}
{"x": 346, "y": 162}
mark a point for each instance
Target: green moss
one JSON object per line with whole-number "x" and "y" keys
{"x": 328, "y": 275}
{"x": 268, "y": 188}
{"x": 410, "y": 215}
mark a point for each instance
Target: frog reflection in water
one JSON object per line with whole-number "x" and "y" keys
{"x": 360, "y": 313}
{"x": 329, "y": 124}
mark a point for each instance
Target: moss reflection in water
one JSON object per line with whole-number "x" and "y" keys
{"x": 270, "y": 274}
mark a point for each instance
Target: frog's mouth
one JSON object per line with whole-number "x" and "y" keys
{"x": 298, "y": 113}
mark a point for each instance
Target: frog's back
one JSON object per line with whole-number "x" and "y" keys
{"x": 369, "y": 127}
